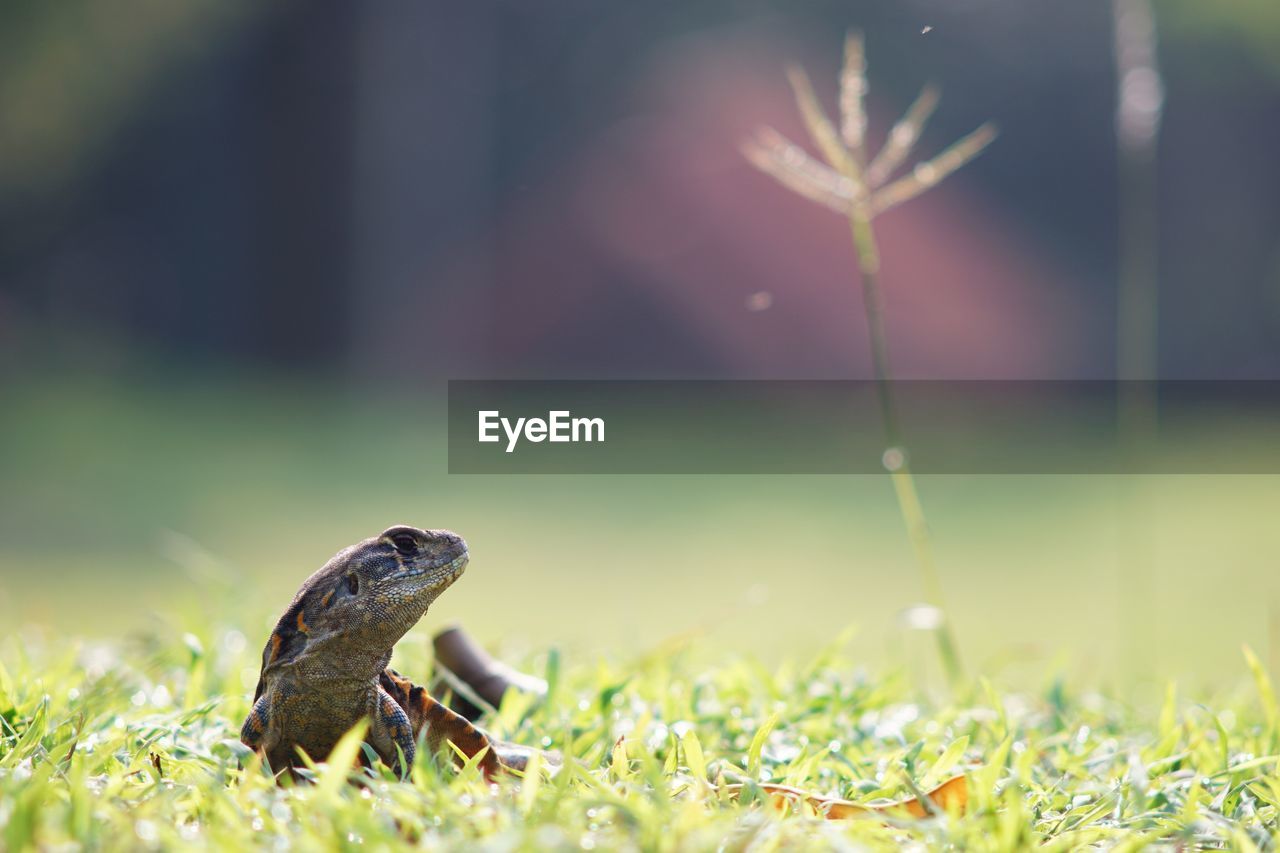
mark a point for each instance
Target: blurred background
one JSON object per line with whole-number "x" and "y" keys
{"x": 243, "y": 245}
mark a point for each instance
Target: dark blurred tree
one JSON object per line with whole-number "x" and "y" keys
{"x": 280, "y": 181}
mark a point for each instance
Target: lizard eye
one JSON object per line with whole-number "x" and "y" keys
{"x": 404, "y": 543}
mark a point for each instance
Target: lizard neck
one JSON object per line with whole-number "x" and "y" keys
{"x": 337, "y": 667}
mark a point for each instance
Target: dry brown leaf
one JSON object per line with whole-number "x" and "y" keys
{"x": 951, "y": 796}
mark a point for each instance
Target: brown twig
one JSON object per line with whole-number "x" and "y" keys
{"x": 487, "y": 679}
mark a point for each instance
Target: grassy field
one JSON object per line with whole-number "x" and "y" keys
{"x": 135, "y": 747}
{"x": 149, "y": 535}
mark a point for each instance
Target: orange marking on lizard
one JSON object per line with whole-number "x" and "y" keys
{"x": 302, "y": 625}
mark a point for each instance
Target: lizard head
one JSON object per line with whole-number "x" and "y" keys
{"x": 366, "y": 597}
{"x": 396, "y": 573}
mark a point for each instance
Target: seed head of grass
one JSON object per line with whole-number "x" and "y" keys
{"x": 845, "y": 177}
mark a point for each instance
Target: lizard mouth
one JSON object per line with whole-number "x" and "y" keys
{"x": 447, "y": 568}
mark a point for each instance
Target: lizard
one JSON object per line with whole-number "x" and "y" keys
{"x": 325, "y": 665}
{"x": 325, "y": 668}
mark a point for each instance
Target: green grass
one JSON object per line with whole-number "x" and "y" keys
{"x": 129, "y": 746}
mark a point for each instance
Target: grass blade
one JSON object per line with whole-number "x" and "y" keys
{"x": 791, "y": 166}
{"x": 819, "y": 126}
{"x": 931, "y": 173}
{"x": 1263, "y": 683}
{"x": 950, "y": 756}
{"x": 340, "y": 761}
{"x": 757, "y": 745}
{"x": 853, "y": 93}
{"x": 903, "y": 137}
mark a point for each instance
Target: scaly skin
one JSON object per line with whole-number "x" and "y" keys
{"x": 324, "y": 667}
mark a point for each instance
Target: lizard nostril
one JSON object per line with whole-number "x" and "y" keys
{"x": 446, "y": 540}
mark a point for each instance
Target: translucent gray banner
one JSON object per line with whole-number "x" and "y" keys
{"x": 836, "y": 427}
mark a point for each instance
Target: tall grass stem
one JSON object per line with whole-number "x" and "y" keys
{"x": 860, "y": 186}
{"x": 1139, "y": 106}
{"x": 904, "y": 485}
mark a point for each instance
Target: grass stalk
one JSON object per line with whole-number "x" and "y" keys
{"x": 1139, "y": 100}
{"x": 896, "y": 458}
{"x": 860, "y": 186}
{"x": 1139, "y": 103}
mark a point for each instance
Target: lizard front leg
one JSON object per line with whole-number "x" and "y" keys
{"x": 261, "y": 733}
{"x": 256, "y": 731}
{"x": 436, "y": 725}
{"x": 391, "y": 734}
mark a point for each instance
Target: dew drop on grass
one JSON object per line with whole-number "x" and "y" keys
{"x": 98, "y": 660}
{"x": 548, "y": 837}
{"x": 760, "y": 301}
{"x": 921, "y": 617}
{"x": 926, "y": 30}
{"x": 234, "y": 642}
